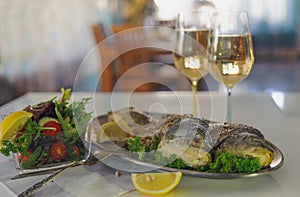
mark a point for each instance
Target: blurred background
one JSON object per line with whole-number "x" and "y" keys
{"x": 43, "y": 43}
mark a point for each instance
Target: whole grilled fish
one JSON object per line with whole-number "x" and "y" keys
{"x": 195, "y": 140}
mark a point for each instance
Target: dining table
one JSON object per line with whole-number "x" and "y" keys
{"x": 275, "y": 114}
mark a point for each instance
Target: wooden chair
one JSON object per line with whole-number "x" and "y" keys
{"x": 106, "y": 53}
{"x": 123, "y": 61}
{"x": 142, "y": 55}
{"x": 99, "y": 32}
{"x": 119, "y": 63}
{"x": 116, "y": 28}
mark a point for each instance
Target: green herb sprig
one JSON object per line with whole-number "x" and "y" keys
{"x": 225, "y": 162}
{"x": 136, "y": 146}
{"x": 173, "y": 161}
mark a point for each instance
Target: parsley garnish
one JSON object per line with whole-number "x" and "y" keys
{"x": 223, "y": 162}
{"x": 227, "y": 163}
{"x": 136, "y": 145}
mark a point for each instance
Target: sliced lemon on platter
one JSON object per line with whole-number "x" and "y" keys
{"x": 113, "y": 131}
{"x": 12, "y": 123}
{"x": 156, "y": 183}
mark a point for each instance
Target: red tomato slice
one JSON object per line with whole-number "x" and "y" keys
{"x": 58, "y": 151}
{"x": 51, "y": 132}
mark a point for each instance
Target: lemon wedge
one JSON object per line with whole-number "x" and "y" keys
{"x": 12, "y": 123}
{"x": 113, "y": 131}
{"x": 156, "y": 183}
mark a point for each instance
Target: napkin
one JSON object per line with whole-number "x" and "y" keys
{"x": 5, "y": 190}
{"x": 97, "y": 180}
{"x": 13, "y": 187}
{"x": 19, "y": 185}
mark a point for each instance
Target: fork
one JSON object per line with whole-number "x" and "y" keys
{"x": 93, "y": 159}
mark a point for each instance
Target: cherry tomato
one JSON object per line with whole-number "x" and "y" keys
{"x": 51, "y": 132}
{"x": 76, "y": 150}
{"x": 58, "y": 151}
{"x": 24, "y": 157}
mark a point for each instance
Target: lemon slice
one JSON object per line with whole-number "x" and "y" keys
{"x": 12, "y": 124}
{"x": 113, "y": 131}
{"x": 156, "y": 183}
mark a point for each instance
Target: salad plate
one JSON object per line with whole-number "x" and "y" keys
{"x": 122, "y": 159}
{"x": 51, "y": 135}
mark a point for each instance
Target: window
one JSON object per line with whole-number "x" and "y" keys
{"x": 274, "y": 24}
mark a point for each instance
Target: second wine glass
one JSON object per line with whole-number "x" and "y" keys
{"x": 231, "y": 50}
{"x": 190, "y": 54}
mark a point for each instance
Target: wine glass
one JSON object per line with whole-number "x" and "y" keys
{"x": 231, "y": 50}
{"x": 191, "y": 41}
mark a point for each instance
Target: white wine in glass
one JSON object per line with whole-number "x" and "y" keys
{"x": 231, "y": 50}
{"x": 191, "y": 42}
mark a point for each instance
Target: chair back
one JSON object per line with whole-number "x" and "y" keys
{"x": 125, "y": 59}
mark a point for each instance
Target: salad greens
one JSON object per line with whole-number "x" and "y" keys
{"x": 21, "y": 143}
{"x": 53, "y": 133}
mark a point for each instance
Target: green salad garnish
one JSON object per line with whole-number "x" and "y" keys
{"x": 53, "y": 134}
{"x": 223, "y": 162}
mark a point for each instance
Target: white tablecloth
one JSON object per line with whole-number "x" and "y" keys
{"x": 276, "y": 115}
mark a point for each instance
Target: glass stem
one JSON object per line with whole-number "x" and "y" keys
{"x": 229, "y": 90}
{"x": 194, "y": 88}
